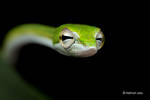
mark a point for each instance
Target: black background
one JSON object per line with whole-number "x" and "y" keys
{"x": 119, "y": 66}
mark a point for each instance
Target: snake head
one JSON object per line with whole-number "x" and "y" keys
{"x": 79, "y": 40}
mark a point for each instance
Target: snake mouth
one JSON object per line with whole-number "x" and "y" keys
{"x": 77, "y": 50}
{"x": 82, "y": 51}
{"x": 87, "y": 53}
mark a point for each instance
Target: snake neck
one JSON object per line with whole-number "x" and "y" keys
{"x": 26, "y": 34}
{"x": 10, "y": 50}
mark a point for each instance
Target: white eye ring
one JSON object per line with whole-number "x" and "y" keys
{"x": 99, "y": 40}
{"x": 66, "y": 38}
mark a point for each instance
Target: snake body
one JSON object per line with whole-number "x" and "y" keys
{"x": 75, "y": 40}
{"x": 69, "y": 39}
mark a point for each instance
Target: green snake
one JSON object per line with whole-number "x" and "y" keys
{"x": 75, "y": 40}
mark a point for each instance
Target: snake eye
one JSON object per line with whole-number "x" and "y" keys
{"x": 67, "y": 38}
{"x": 99, "y": 40}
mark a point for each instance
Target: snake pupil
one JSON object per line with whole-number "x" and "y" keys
{"x": 100, "y": 39}
{"x": 66, "y": 37}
